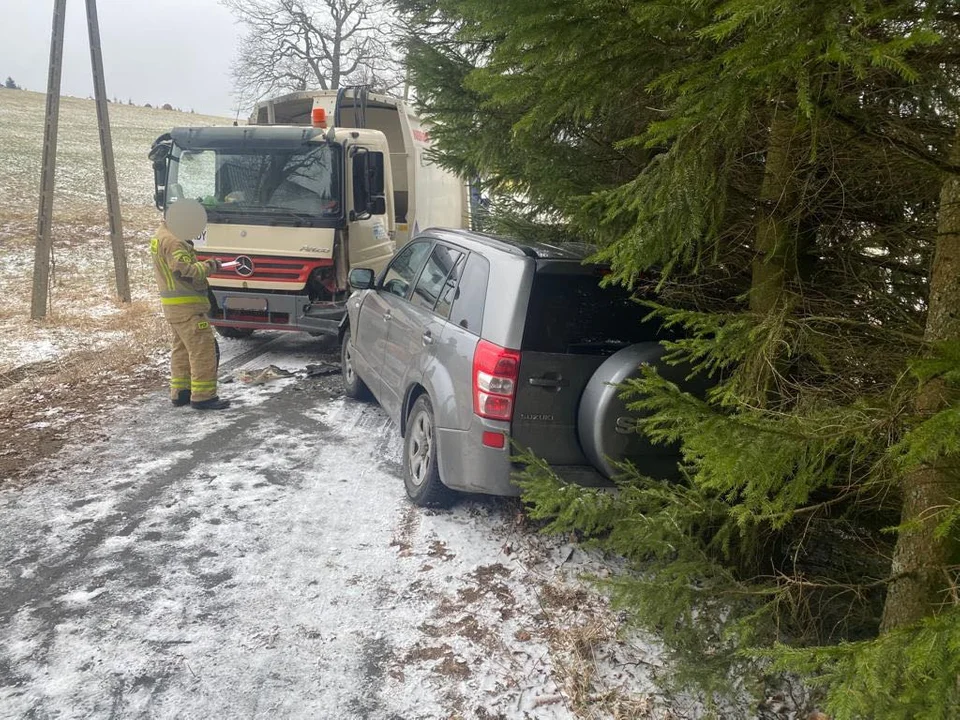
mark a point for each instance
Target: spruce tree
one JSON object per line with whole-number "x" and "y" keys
{"x": 779, "y": 174}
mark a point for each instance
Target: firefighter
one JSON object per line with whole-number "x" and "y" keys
{"x": 182, "y": 280}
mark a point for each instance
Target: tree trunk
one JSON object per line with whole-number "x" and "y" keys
{"x": 922, "y": 585}
{"x": 775, "y": 259}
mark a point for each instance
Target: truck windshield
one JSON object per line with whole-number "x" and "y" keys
{"x": 261, "y": 185}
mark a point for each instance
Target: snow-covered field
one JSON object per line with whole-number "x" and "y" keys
{"x": 79, "y": 181}
{"x": 84, "y": 310}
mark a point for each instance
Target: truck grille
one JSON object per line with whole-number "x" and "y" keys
{"x": 272, "y": 269}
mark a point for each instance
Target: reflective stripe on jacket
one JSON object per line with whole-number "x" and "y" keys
{"x": 181, "y": 278}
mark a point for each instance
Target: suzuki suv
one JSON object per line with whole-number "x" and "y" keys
{"x": 476, "y": 346}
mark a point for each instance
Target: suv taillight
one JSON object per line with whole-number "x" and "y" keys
{"x": 495, "y": 372}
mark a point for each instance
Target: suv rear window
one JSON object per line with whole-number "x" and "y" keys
{"x": 571, "y": 313}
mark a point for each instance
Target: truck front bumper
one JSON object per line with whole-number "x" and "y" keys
{"x": 268, "y": 311}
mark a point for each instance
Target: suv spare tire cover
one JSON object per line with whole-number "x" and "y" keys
{"x": 605, "y": 425}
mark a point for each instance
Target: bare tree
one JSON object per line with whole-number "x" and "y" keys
{"x": 300, "y": 44}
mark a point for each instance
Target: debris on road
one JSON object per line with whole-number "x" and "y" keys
{"x": 323, "y": 368}
{"x": 259, "y": 377}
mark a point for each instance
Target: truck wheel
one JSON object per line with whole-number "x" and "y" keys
{"x": 353, "y": 386}
{"x": 233, "y": 332}
{"x": 421, "y": 471}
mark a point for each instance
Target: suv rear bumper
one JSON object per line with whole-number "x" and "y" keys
{"x": 466, "y": 464}
{"x": 279, "y": 312}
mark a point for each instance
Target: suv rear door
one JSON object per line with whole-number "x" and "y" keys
{"x": 416, "y": 329}
{"x": 572, "y": 325}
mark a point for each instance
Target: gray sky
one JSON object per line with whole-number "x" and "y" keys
{"x": 154, "y": 51}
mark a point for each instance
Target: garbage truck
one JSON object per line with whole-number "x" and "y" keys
{"x": 316, "y": 183}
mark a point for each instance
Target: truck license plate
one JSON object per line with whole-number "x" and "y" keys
{"x": 234, "y": 302}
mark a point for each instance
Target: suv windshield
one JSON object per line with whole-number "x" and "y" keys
{"x": 261, "y": 185}
{"x": 571, "y": 313}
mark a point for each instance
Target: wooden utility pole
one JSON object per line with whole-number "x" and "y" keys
{"x": 106, "y": 150}
{"x": 41, "y": 263}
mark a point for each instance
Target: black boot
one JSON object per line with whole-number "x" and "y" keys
{"x": 182, "y": 398}
{"x": 213, "y": 403}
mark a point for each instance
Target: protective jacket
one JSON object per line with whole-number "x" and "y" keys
{"x": 181, "y": 277}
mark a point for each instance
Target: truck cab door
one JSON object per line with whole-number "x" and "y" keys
{"x": 370, "y": 190}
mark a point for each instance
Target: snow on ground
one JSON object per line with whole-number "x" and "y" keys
{"x": 264, "y": 562}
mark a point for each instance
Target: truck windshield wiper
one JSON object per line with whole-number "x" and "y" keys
{"x": 300, "y": 214}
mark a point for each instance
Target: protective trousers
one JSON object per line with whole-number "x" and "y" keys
{"x": 193, "y": 360}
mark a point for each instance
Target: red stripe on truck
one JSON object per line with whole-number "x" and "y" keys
{"x": 272, "y": 269}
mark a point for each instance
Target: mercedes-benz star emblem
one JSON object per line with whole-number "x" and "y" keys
{"x": 244, "y": 266}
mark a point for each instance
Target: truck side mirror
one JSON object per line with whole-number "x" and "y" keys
{"x": 159, "y": 181}
{"x": 159, "y": 155}
{"x": 375, "y": 173}
{"x": 368, "y": 184}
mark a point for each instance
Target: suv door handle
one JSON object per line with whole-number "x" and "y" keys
{"x": 427, "y": 337}
{"x": 548, "y": 382}
{"x": 387, "y": 315}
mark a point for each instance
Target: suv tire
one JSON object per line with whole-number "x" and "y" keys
{"x": 353, "y": 386}
{"x": 421, "y": 471}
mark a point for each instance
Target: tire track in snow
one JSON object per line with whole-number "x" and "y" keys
{"x": 55, "y": 575}
{"x": 127, "y": 515}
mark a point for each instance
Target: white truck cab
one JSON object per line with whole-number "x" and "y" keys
{"x": 317, "y": 183}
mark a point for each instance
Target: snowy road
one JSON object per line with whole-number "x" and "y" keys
{"x": 264, "y": 562}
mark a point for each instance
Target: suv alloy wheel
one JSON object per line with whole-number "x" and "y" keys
{"x": 421, "y": 471}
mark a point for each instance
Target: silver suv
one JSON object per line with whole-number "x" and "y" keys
{"x": 476, "y": 345}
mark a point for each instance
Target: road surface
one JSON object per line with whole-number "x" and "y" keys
{"x": 264, "y": 562}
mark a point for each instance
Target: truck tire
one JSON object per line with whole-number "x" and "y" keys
{"x": 421, "y": 470}
{"x": 233, "y": 332}
{"x": 353, "y": 386}
{"x": 606, "y": 427}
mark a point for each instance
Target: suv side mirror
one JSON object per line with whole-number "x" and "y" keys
{"x": 361, "y": 278}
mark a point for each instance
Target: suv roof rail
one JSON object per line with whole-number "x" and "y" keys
{"x": 537, "y": 251}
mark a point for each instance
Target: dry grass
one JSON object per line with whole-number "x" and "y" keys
{"x": 59, "y": 376}
{"x": 579, "y": 626}
{"x": 44, "y": 405}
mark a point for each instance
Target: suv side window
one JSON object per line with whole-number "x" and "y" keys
{"x": 449, "y": 289}
{"x": 434, "y": 278}
{"x": 471, "y": 293}
{"x": 403, "y": 270}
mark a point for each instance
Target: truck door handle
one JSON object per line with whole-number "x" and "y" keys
{"x": 549, "y": 382}
{"x": 387, "y": 315}
{"x": 427, "y": 337}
